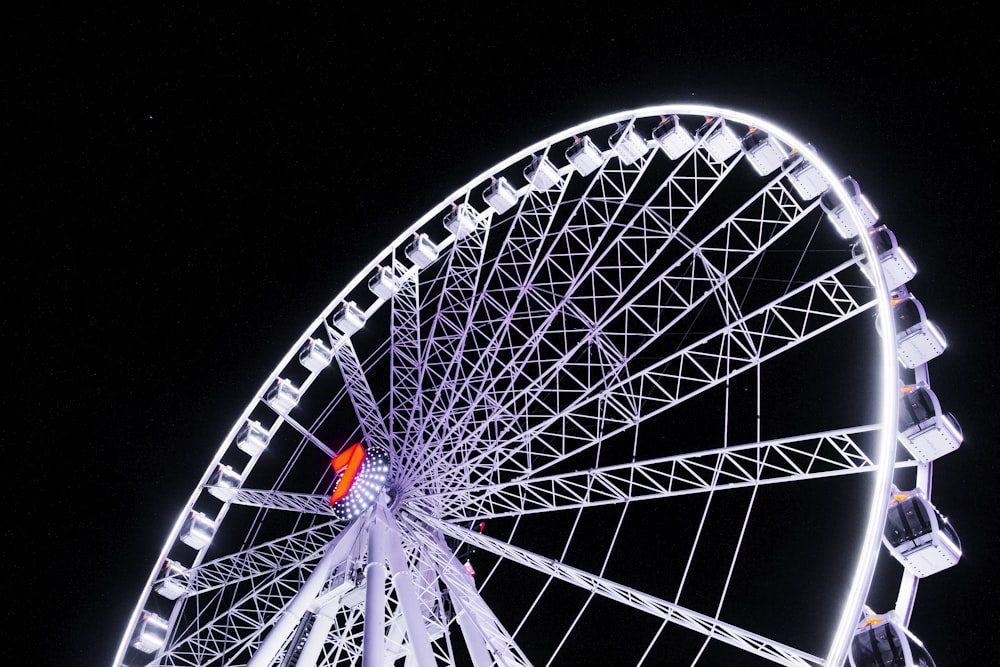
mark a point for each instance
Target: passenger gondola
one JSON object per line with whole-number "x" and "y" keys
{"x": 882, "y": 641}
{"x": 918, "y": 536}
{"x": 926, "y": 431}
{"x": 917, "y": 339}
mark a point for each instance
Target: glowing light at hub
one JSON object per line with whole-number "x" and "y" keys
{"x": 347, "y": 462}
{"x": 362, "y": 476}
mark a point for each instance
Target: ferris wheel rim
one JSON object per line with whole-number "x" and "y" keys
{"x": 888, "y": 377}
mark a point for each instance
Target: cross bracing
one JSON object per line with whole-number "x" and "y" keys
{"x": 302, "y": 503}
{"x": 514, "y": 374}
{"x": 365, "y": 408}
{"x": 404, "y": 366}
{"x": 453, "y": 310}
{"x": 559, "y": 430}
{"x": 642, "y": 321}
{"x": 263, "y": 559}
{"x": 795, "y": 459}
{"x": 571, "y": 256}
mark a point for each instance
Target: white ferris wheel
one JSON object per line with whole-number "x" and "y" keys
{"x": 652, "y": 391}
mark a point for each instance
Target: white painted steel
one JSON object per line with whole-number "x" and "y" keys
{"x": 553, "y": 361}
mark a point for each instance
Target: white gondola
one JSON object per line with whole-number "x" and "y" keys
{"x": 383, "y": 283}
{"x": 917, "y": 339}
{"x": 719, "y": 139}
{"x": 918, "y": 536}
{"x": 500, "y": 195}
{"x": 150, "y": 632}
{"x": 315, "y": 355}
{"x": 808, "y": 181}
{"x": 838, "y": 214}
{"x": 897, "y": 267}
{"x": 541, "y": 173}
{"x": 763, "y": 151}
{"x": 173, "y": 581}
{"x": 627, "y": 144}
{"x": 252, "y": 438}
{"x": 673, "y": 137}
{"x": 198, "y": 530}
{"x": 224, "y": 483}
{"x": 882, "y": 641}
{"x": 282, "y": 395}
{"x": 584, "y": 155}
{"x": 924, "y": 430}
{"x": 422, "y": 251}
{"x": 348, "y": 317}
{"x": 460, "y": 220}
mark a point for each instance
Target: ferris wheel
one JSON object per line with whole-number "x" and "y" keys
{"x": 652, "y": 391}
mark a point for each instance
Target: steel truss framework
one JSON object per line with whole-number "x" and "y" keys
{"x": 595, "y": 396}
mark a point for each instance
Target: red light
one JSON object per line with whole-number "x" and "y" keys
{"x": 347, "y": 462}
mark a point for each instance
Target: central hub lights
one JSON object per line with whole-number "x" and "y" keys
{"x": 362, "y": 475}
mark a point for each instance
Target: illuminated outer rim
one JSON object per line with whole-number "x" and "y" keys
{"x": 885, "y": 455}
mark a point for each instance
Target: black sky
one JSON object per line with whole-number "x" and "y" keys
{"x": 186, "y": 187}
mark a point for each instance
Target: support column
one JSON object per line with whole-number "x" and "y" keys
{"x": 488, "y": 641}
{"x": 416, "y": 629}
{"x": 374, "y": 641}
{"x": 317, "y": 637}
{"x": 337, "y": 551}
{"x": 474, "y": 640}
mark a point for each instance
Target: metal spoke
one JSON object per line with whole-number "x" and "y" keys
{"x": 300, "y": 503}
{"x": 556, "y": 432}
{"x": 672, "y": 296}
{"x": 632, "y": 347}
{"x": 539, "y": 310}
{"x": 484, "y": 632}
{"x": 365, "y": 407}
{"x": 404, "y": 361}
{"x": 263, "y": 560}
{"x": 706, "y": 625}
{"x": 797, "y": 459}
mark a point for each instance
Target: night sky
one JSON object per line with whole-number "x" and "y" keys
{"x": 186, "y": 188}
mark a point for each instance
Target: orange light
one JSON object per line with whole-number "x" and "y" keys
{"x": 907, "y": 389}
{"x": 872, "y": 621}
{"x": 347, "y": 462}
{"x": 900, "y": 496}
